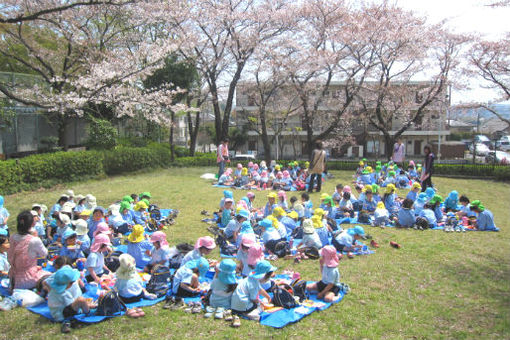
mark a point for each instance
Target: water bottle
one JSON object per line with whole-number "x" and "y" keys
{"x": 291, "y": 242}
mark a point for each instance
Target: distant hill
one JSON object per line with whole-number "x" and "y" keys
{"x": 471, "y": 114}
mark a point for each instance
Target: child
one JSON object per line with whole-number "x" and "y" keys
{"x": 82, "y": 239}
{"x": 420, "y": 202}
{"x": 310, "y": 237}
{"x": 64, "y": 298}
{"x": 239, "y": 169}
{"x": 286, "y": 182}
{"x": 381, "y": 216}
{"x": 451, "y": 202}
{"x": 271, "y": 204}
{"x": 329, "y": 207}
{"x": 226, "y": 194}
{"x": 329, "y": 286}
{"x": 435, "y": 204}
{"x": 411, "y": 172}
{"x": 203, "y": 247}
{"x": 264, "y": 179}
{"x": 321, "y": 227}
{"x": 402, "y": 180}
{"x": 69, "y": 246}
{"x": 102, "y": 228}
{"x": 80, "y": 205}
{"x": 63, "y": 224}
{"x": 307, "y": 204}
{"x": 160, "y": 252}
{"x": 406, "y": 216}
{"x": 485, "y": 218}
{"x": 139, "y": 213}
{"x": 4, "y": 216}
{"x": 245, "y": 300}
{"x": 365, "y": 177}
{"x": 391, "y": 179}
{"x": 138, "y": 246}
{"x": 290, "y": 221}
{"x": 368, "y": 206}
{"x": 4, "y": 247}
{"x": 345, "y": 208}
{"x": 251, "y": 199}
{"x": 127, "y": 214}
{"x": 234, "y": 226}
{"x": 278, "y": 213}
{"x": 270, "y": 236}
{"x": 337, "y": 195}
{"x": 389, "y": 199}
{"x": 428, "y": 214}
{"x": 413, "y": 193}
{"x": 186, "y": 279}
{"x": 225, "y": 179}
{"x": 129, "y": 284}
{"x": 55, "y": 209}
{"x": 222, "y": 287}
{"x": 247, "y": 241}
{"x": 346, "y": 240}
{"x": 39, "y": 225}
{"x": 95, "y": 261}
{"x": 97, "y": 217}
{"x": 226, "y": 214}
{"x": 282, "y": 200}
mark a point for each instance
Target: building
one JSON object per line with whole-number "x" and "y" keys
{"x": 287, "y": 132}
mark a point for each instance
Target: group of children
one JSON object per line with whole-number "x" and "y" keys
{"x": 262, "y": 177}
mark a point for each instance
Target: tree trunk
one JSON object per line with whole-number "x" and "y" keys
{"x": 193, "y": 132}
{"x": 62, "y": 128}
{"x": 172, "y": 146}
{"x": 388, "y": 145}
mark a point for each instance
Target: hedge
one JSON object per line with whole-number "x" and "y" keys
{"x": 45, "y": 170}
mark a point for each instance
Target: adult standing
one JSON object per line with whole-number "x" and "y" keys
{"x": 25, "y": 249}
{"x": 317, "y": 166}
{"x": 428, "y": 168}
{"x": 399, "y": 151}
{"x": 222, "y": 156}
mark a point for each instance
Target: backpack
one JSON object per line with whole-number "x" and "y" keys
{"x": 110, "y": 304}
{"x": 283, "y": 296}
{"x": 226, "y": 248}
{"x": 53, "y": 250}
{"x": 299, "y": 289}
{"x": 155, "y": 213}
{"x": 422, "y": 222}
{"x": 159, "y": 282}
{"x": 363, "y": 218}
{"x": 282, "y": 249}
{"x": 112, "y": 261}
{"x": 153, "y": 207}
{"x": 175, "y": 261}
{"x": 297, "y": 233}
{"x": 312, "y": 253}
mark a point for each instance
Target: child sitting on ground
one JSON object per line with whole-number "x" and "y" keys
{"x": 406, "y": 216}
{"x": 222, "y": 287}
{"x": 381, "y": 216}
{"x": 328, "y": 288}
{"x": 451, "y": 202}
{"x": 346, "y": 240}
{"x": 307, "y": 204}
{"x": 337, "y": 195}
{"x": 485, "y": 218}
{"x": 435, "y": 204}
{"x": 234, "y": 226}
{"x": 138, "y": 246}
{"x": 4, "y": 247}
{"x": 69, "y": 246}
{"x": 96, "y": 218}
{"x": 160, "y": 252}
{"x": 186, "y": 279}
{"x": 203, "y": 247}
{"x": 129, "y": 284}
{"x": 247, "y": 241}
{"x": 415, "y": 190}
{"x": 345, "y": 208}
{"x": 228, "y": 211}
{"x": 139, "y": 213}
{"x": 282, "y": 200}
{"x": 95, "y": 261}
{"x": 225, "y": 179}
{"x": 310, "y": 237}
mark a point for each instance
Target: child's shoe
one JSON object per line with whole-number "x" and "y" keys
{"x": 209, "y": 311}
{"x": 178, "y": 304}
{"x": 151, "y": 296}
{"x": 169, "y": 302}
{"x": 394, "y": 244}
{"x": 196, "y": 308}
{"x": 66, "y": 327}
{"x": 227, "y": 315}
{"x": 350, "y": 255}
{"x": 236, "y": 322}
{"x": 219, "y": 313}
{"x": 7, "y": 304}
{"x": 374, "y": 244}
{"x": 253, "y": 315}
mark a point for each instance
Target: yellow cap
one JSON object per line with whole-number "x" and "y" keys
{"x": 136, "y": 235}
{"x": 319, "y": 212}
{"x": 324, "y": 196}
{"x": 278, "y": 211}
{"x": 272, "y": 195}
{"x": 380, "y": 205}
{"x": 141, "y": 205}
{"x": 390, "y": 188}
{"x": 293, "y": 214}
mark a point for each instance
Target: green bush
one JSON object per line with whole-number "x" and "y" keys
{"x": 122, "y": 160}
{"x": 102, "y": 135}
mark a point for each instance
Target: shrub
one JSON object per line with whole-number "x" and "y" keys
{"x": 122, "y": 160}
{"x": 102, "y": 135}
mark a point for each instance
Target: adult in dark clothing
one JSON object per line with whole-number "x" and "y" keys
{"x": 317, "y": 166}
{"x": 428, "y": 168}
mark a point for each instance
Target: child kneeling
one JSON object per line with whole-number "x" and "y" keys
{"x": 328, "y": 288}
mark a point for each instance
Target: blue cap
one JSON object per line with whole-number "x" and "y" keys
{"x": 228, "y": 194}
{"x": 357, "y": 230}
{"x": 430, "y": 192}
{"x": 68, "y": 233}
{"x": 63, "y": 277}
{"x": 244, "y": 213}
{"x": 201, "y": 264}
{"x": 227, "y": 274}
{"x": 3, "y": 231}
{"x": 246, "y": 228}
{"x": 246, "y": 199}
{"x": 266, "y": 223}
{"x": 1, "y": 201}
{"x": 262, "y": 268}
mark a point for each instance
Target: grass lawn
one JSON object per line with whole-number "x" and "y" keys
{"x": 438, "y": 285}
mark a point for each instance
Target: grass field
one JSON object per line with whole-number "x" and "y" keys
{"x": 438, "y": 285}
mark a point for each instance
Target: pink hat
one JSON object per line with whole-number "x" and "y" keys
{"x": 250, "y": 194}
{"x": 239, "y": 166}
{"x": 282, "y": 194}
{"x": 228, "y": 171}
{"x": 205, "y": 241}
{"x": 255, "y": 254}
{"x": 254, "y": 173}
{"x": 248, "y": 240}
{"x": 329, "y": 256}
{"x": 411, "y": 163}
{"x": 227, "y": 200}
{"x": 263, "y": 174}
{"x": 255, "y": 166}
{"x": 102, "y": 228}
{"x": 250, "y": 164}
{"x": 242, "y": 204}
{"x": 279, "y": 174}
{"x": 160, "y": 237}
{"x": 347, "y": 189}
{"x": 286, "y": 174}
{"x": 99, "y": 240}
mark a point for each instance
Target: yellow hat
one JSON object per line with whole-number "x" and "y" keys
{"x": 277, "y": 167}
{"x": 324, "y": 196}
{"x": 141, "y": 205}
{"x": 390, "y": 188}
{"x": 369, "y": 168}
{"x": 137, "y": 235}
{"x": 278, "y": 211}
{"x": 293, "y": 214}
{"x": 319, "y": 212}
{"x": 86, "y": 213}
{"x": 361, "y": 163}
{"x": 317, "y": 221}
{"x": 272, "y": 195}
{"x": 380, "y": 205}
{"x": 244, "y": 171}
{"x": 273, "y": 220}
{"x": 416, "y": 185}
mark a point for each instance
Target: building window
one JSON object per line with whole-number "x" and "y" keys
{"x": 252, "y": 145}
{"x": 372, "y": 146}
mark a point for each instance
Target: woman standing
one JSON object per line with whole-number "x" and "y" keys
{"x": 25, "y": 249}
{"x": 317, "y": 166}
{"x": 428, "y": 169}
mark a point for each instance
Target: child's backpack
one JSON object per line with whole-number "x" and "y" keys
{"x": 283, "y": 296}
{"x": 363, "y": 218}
{"x": 297, "y": 233}
{"x": 53, "y": 250}
{"x": 175, "y": 261}
{"x": 282, "y": 249}
{"x": 422, "y": 222}
{"x": 226, "y": 248}
{"x": 153, "y": 207}
{"x": 299, "y": 290}
{"x": 110, "y": 304}
{"x": 312, "y": 253}
{"x": 112, "y": 261}
{"x": 155, "y": 213}
{"x": 160, "y": 280}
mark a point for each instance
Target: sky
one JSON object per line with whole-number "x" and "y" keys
{"x": 466, "y": 16}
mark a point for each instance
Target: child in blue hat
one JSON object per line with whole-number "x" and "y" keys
{"x": 185, "y": 281}
{"x": 4, "y": 247}
{"x": 270, "y": 236}
{"x": 69, "y": 246}
{"x": 222, "y": 288}
{"x": 451, "y": 202}
{"x": 64, "y": 298}
{"x": 4, "y": 215}
{"x": 245, "y": 300}
{"x": 226, "y": 194}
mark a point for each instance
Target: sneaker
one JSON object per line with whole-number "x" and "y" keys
{"x": 178, "y": 304}
{"x": 209, "y": 311}
{"x": 236, "y": 322}
{"x": 374, "y": 244}
{"x": 7, "y": 304}
{"x": 66, "y": 327}
{"x": 169, "y": 302}
{"x": 219, "y": 313}
{"x": 196, "y": 308}
{"x": 227, "y": 315}
{"x": 253, "y": 315}
{"x": 205, "y": 213}
{"x": 394, "y": 244}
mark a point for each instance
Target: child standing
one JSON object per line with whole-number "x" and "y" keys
{"x": 329, "y": 286}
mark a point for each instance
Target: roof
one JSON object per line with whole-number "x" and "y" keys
{"x": 458, "y": 123}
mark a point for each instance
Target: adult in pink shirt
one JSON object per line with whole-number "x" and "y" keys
{"x": 398, "y": 152}
{"x": 222, "y": 156}
{"x": 25, "y": 249}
